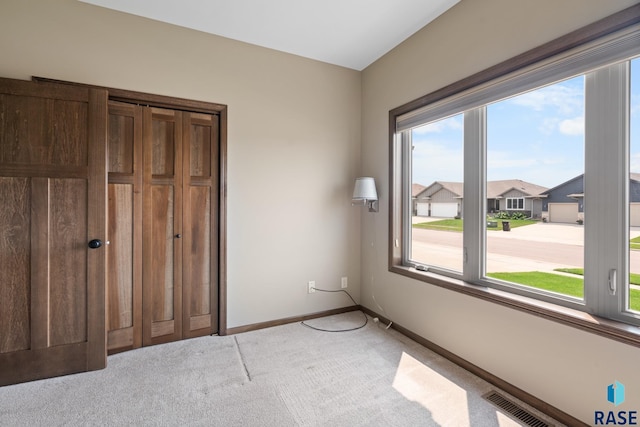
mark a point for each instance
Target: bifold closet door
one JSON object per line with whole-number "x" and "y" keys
{"x": 124, "y": 254}
{"x": 52, "y": 230}
{"x": 161, "y": 224}
{"x": 163, "y": 220}
{"x": 200, "y": 224}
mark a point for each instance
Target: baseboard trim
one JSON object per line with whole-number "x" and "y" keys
{"x": 278, "y": 322}
{"x": 527, "y": 398}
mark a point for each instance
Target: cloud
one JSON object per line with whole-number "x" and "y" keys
{"x": 564, "y": 98}
{"x": 437, "y": 161}
{"x": 573, "y": 126}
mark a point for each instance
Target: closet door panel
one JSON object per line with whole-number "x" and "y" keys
{"x": 124, "y": 254}
{"x": 162, "y": 253}
{"x": 121, "y": 257}
{"x": 200, "y": 223}
{"x": 122, "y": 138}
{"x": 197, "y": 262}
{"x": 162, "y": 234}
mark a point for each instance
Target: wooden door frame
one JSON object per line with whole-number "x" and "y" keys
{"x": 147, "y": 99}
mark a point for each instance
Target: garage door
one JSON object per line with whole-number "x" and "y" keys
{"x": 422, "y": 209}
{"x": 444, "y": 210}
{"x": 634, "y": 214}
{"x": 563, "y": 212}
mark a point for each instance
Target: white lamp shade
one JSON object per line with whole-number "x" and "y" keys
{"x": 365, "y": 189}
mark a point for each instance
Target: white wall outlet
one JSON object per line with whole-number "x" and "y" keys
{"x": 311, "y": 286}
{"x": 344, "y": 282}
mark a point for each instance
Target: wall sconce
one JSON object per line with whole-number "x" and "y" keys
{"x": 364, "y": 193}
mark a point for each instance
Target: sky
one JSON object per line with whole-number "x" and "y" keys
{"x": 537, "y": 136}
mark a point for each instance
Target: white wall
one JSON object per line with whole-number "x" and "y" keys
{"x": 563, "y": 366}
{"x": 294, "y": 138}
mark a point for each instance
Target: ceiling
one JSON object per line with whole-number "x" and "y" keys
{"x": 349, "y": 33}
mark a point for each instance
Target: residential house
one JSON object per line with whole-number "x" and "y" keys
{"x": 304, "y": 130}
{"x": 415, "y": 190}
{"x": 564, "y": 203}
{"x": 445, "y": 199}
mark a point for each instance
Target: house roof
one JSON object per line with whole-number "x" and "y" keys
{"x": 550, "y": 190}
{"x": 416, "y": 189}
{"x": 632, "y": 176}
{"x": 455, "y": 187}
{"x": 495, "y": 189}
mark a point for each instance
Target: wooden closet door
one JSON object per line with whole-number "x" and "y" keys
{"x": 162, "y": 234}
{"x": 124, "y": 254}
{"x": 200, "y": 224}
{"x": 53, "y": 202}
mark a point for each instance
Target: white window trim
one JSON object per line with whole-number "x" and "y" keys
{"x": 517, "y": 202}
{"x": 466, "y": 96}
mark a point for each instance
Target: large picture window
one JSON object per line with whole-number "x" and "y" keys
{"x": 527, "y": 183}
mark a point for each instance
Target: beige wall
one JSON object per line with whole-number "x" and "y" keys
{"x": 294, "y": 139}
{"x": 566, "y": 367}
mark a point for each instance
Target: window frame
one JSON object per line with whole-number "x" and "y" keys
{"x": 518, "y": 201}
{"x": 439, "y": 104}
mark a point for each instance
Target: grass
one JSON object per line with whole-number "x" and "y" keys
{"x": 560, "y": 284}
{"x": 565, "y": 285}
{"x": 634, "y": 278}
{"x": 456, "y": 224}
{"x": 634, "y": 243}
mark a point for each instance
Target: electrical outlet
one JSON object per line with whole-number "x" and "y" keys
{"x": 311, "y": 286}
{"x": 344, "y": 282}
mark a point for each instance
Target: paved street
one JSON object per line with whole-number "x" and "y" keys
{"x": 540, "y": 247}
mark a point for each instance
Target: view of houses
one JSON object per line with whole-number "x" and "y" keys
{"x": 563, "y": 203}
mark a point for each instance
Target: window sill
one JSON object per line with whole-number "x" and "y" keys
{"x": 622, "y": 332}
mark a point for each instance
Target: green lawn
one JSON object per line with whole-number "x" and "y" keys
{"x": 456, "y": 224}
{"x": 548, "y": 281}
{"x": 565, "y": 285}
{"x": 634, "y": 243}
{"x": 634, "y": 278}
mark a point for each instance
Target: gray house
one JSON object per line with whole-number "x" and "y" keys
{"x": 445, "y": 199}
{"x": 565, "y": 202}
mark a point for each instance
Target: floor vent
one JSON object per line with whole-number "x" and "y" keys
{"x": 515, "y": 410}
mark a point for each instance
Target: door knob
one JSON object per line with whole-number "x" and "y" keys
{"x": 95, "y": 243}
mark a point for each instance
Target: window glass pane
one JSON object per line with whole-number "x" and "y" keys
{"x": 437, "y": 176}
{"x": 634, "y": 189}
{"x": 534, "y": 182}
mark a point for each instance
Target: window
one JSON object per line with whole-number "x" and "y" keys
{"x": 632, "y": 302}
{"x": 514, "y": 203}
{"x": 437, "y": 162}
{"x": 535, "y": 148}
{"x": 548, "y": 189}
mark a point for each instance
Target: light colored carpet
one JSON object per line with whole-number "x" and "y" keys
{"x": 283, "y": 376}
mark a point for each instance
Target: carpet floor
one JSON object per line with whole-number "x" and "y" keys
{"x": 287, "y": 375}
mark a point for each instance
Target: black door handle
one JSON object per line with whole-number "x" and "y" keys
{"x": 95, "y": 243}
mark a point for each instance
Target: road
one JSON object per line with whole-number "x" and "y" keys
{"x": 541, "y": 249}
